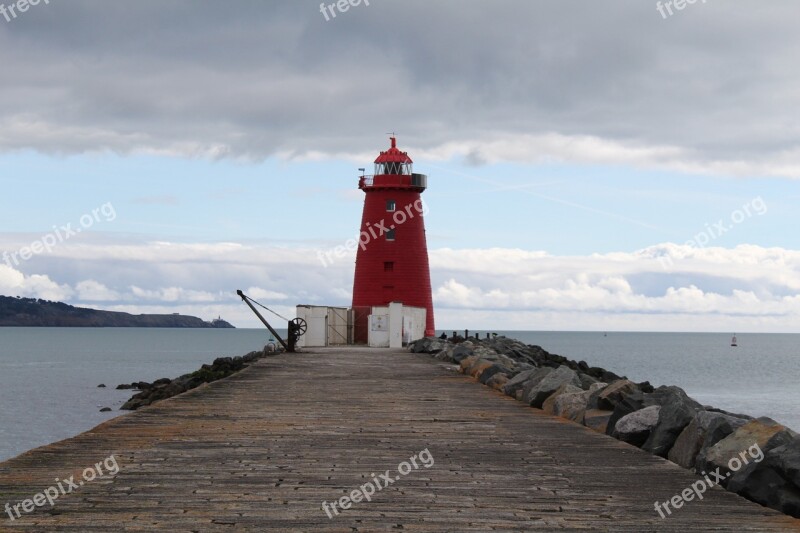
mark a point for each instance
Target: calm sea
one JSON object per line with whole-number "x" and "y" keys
{"x": 49, "y": 376}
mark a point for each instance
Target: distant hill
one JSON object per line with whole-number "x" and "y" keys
{"x": 29, "y": 312}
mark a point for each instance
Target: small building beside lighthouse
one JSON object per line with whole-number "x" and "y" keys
{"x": 392, "y": 257}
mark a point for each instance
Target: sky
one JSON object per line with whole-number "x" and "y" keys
{"x": 599, "y": 166}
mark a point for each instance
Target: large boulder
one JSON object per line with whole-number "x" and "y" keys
{"x": 771, "y": 478}
{"x": 630, "y": 403}
{"x": 533, "y": 381}
{"x": 466, "y": 364}
{"x": 494, "y": 369}
{"x": 592, "y": 403}
{"x": 253, "y": 356}
{"x": 570, "y": 401}
{"x": 511, "y": 363}
{"x": 596, "y": 419}
{"x": 610, "y": 396}
{"x": 566, "y": 388}
{"x": 763, "y": 433}
{"x": 478, "y": 367}
{"x": 455, "y": 353}
{"x": 430, "y": 345}
{"x": 704, "y": 431}
{"x": 677, "y": 411}
{"x": 551, "y": 382}
{"x": 497, "y": 381}
{"x": 586, "y": 380}
{"x": 573, "y": 406}
{"x": 460, "y": 352}
{"x": 601, "y": 374}
{"x": 518, "y": 382}
{"x": 635, "y": 428}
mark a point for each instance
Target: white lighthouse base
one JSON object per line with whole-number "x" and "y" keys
{"x": 396, "y": 325}
{"x": 391, "y": 326}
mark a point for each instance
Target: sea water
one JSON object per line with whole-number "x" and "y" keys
{"x": 49, "y": 377}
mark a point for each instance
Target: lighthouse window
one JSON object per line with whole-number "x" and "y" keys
{"x": 390, "y": 205}
{"x": 393, "y": 168}
{"x": 388, "y": 266}
{"x": 390, "y": 235}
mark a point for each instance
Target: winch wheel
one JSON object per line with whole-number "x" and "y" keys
{"x": 300, "y": 326}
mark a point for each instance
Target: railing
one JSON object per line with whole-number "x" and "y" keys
{"x": 416, "y": 181}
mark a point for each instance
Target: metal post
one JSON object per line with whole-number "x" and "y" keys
{"x": 292, "y": 329}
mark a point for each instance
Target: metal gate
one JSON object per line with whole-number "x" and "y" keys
{"x": 338, "y": 326}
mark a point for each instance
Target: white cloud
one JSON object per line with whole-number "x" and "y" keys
{"x": 15, "y": 283}
{"x": 172, "y": 295}
{"x": 554, "y": 147}
{"x": 90, "y": 290}
{"x": 259, "y": 293}
{"x": 746, "y": 288}
{"x": 748, "y": 285}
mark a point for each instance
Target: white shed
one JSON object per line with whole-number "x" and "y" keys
{"x": 394, "y": 325}
{"x": 327, "y": 326}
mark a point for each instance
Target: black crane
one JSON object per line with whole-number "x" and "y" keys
{"x": 297, "y": 327}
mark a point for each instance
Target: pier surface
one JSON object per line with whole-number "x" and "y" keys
{"x": 261, "y": 451}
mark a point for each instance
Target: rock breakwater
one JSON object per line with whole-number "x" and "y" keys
{"x": 664, "y": 421}
{"x": 167, "y": 388}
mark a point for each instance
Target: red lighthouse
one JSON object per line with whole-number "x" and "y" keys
{"x": 392, "y": 259}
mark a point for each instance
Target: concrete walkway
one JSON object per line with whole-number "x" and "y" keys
{"x": 262, "y": 450}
